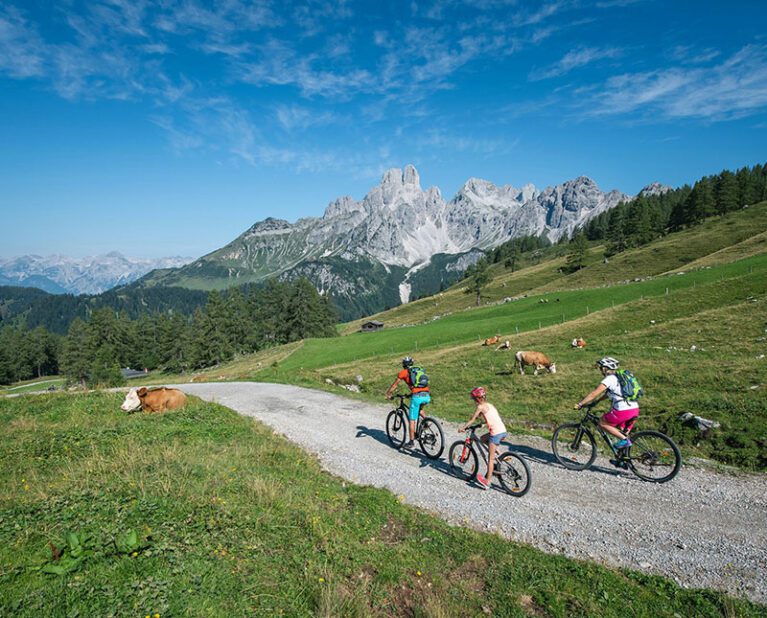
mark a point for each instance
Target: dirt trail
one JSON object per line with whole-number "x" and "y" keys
{"x": 703, "y": 529}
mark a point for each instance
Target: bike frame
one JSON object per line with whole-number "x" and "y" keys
{"x": 484, "y": 449}
{"x": 405, "y": 411}
{"x": 593, "y": 419}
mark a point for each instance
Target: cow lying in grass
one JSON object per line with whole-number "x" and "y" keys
{"x": 492, "y": 340}
{"x": 536, "y": 359}
{"x": 156, "y": 400}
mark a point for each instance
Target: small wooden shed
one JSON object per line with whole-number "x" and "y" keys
{"x": 371, "y": 325}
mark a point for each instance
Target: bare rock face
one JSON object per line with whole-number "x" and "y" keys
{"x": 399, "y": 225}
{"x": 654, "y": 188}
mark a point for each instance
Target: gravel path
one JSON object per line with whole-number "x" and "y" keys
{"x": 703, "y": 529}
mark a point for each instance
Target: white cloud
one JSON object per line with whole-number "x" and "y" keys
{"x": 574, "y": 59}
{"x": 734, "y": 88}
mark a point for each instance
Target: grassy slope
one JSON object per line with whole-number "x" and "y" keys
{"x": 234, "y": 521}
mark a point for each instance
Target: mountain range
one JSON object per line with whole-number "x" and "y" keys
{"x": 399, "y": 242}
{"x": 58, "y": 274}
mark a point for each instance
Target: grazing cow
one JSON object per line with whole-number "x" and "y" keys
{"x": 156, "y": 400}
{"x": 492, "y": 340}
{"x": 536, "y": 359}
{"x": 578, "y": 343}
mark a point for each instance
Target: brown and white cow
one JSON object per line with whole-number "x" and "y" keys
{"x": 536, "y": 359}
{"x": 492, "y": 340}
{"x": 156, "y": 400}
{"x": 578, "y": 343}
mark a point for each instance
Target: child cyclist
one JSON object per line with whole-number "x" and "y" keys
{"x": 494, "y": 424}
{"x": 623, "y": 410}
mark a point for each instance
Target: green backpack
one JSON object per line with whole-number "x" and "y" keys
{"x": 418, "y": 377}
{"x": 631, "y": 389}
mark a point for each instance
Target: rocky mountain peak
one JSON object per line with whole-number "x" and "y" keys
{"x": 269, "y": 225}
{"x": 398, "y": 177}
{"x": 654, "y": 188}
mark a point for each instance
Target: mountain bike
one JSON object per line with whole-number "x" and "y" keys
{"x": 428, "y": 431}
{"x": 511, "y": 470}
{"x": 652, "y": 456}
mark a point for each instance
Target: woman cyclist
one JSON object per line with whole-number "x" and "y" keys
{"x": 623, "y": 410}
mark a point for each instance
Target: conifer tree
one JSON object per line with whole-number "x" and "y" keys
{"x": 105, "y": 368}
{"x": 478, "y": 278}
{"x": 578, "y": 253}
{"x": 77, "y": 353}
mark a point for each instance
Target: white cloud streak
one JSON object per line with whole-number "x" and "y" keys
{"x": 575, "y": 59}
{"x": 734, "y": 88}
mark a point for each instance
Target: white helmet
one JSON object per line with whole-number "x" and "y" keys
{"x": 608, "y": 362}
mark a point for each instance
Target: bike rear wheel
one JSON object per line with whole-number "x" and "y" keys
{"x": 431, "y": 438}
{"x": 654, "y": 457}
{"x": 574, "y": 446}
{"x": 463, "y": 460}
{"x": 396, "y": 428}
{"x": 514, "y": 474}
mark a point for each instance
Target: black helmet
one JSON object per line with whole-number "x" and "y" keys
{"x": 407, "y": 362}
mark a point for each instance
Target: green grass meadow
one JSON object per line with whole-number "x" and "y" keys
{"x": 201, "y": 512}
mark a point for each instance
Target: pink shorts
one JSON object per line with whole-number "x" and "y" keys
{"x": 618, "y": 417}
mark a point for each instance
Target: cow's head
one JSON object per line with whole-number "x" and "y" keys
{"x": 553, "y": 368}
{"x": 132, "y": 401}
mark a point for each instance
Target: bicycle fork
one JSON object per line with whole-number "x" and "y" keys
{"x": 465, "y": 451}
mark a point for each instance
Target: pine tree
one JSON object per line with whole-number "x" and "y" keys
{"x": 77, "y": 353}
{"x": 726, "y": 193}
{"x": 105, "y": 369}
{"x": 578, "y": 253}
{"x": 616, "y": 238}
{"x": 479, "y": 277}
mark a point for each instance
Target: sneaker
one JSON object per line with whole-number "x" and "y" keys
{"x": 622, "y": 443}
{"x": 483, "y": 482}
{"x": 410, "y": 444}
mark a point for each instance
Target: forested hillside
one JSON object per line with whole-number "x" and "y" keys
{"x": 30, "y": 308}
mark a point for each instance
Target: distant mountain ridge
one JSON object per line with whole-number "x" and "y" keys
{"x": 376, "y": 252}
{"x": 58, "y": 274}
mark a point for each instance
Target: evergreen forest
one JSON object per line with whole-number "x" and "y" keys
{"x": 230, "y": 323}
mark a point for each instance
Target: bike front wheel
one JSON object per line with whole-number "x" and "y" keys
{"x": 396, "y": 428}
{"x": 654, "y": 457}
{"x": 514, "y": 474}
{"x": 431, "y": 438}
{"x": 463, "y": 460}
{"x": 574, "y": 446}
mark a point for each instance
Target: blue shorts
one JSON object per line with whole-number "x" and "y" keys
{"x": 496, "y": 439}
{"x": 416, "y": 401}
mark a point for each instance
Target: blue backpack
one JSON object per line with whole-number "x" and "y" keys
{"x": 631, "y": 389}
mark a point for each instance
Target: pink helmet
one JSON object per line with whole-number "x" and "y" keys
{"x": 479, "y": 392}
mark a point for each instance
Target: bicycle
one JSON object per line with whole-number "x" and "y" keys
{"x": 652, "y": 456}
{"x": 428, "y": 431}
{"x": 512, "y": 471}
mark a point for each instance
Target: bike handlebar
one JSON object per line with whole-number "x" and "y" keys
{"x": 473, "y": 427}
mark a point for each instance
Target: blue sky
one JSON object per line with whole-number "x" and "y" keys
{"x": 169, "y": 127}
